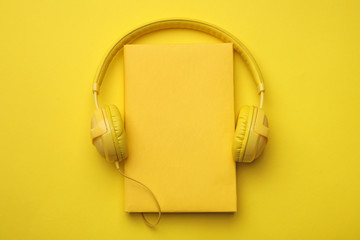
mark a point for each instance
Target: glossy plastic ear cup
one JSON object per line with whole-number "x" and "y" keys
{"x": 101, "y": 136}
{"x": 108, "y": 133}
{"x": 251, "y": 134}
{"x": 258, "y": 136}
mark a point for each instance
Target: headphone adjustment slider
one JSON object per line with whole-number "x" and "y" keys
{"x": 261, "y": 88}
{"x": 96, "y": 88}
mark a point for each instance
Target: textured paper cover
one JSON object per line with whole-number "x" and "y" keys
{"x": 179, "y": 119}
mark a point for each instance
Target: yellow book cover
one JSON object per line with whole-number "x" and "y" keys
{"x": 179, "y": 120}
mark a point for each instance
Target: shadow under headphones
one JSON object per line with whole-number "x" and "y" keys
{"x": 107, "y": 126}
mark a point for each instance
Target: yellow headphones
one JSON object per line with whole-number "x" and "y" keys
{"x": 107, "y": 126}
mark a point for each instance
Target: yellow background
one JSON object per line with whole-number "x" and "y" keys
{"x": 53, "y": 184}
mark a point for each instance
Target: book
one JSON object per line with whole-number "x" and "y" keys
{"x": 179, "y": 120}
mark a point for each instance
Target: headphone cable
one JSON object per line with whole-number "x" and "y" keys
{"x": 148, "y": 189}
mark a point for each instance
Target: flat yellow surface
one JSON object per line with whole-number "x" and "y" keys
{"x": 179, "y": 115}
{"x": 53, "y": 184}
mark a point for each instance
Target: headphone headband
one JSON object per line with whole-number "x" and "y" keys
{"x": 181, "y": 24}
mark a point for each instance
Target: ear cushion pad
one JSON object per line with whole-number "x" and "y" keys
{"x": 117, "y": 129}
{"x": 242, "y": 131}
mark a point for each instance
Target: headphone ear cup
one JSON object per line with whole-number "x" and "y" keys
{"x": 98, "y": 131}
{"x": 117, "y": 128}
{"x": 251, "y": 134}
{"x": 242, "y": 131}
{"x": 102, "y": 136}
